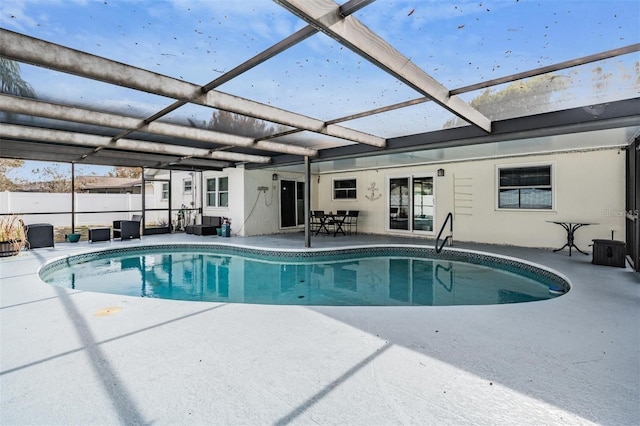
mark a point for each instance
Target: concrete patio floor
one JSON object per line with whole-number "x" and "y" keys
{"x": 571, "y": 360}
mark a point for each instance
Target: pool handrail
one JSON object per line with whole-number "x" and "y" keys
{"x": 448, "y": 237}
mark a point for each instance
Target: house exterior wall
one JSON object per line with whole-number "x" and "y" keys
{"x": 262, "y": 215}
{"x": 252, "y": 212}
{"x": 587, "y": 186}
{"x": 179, "y": 197}
{"x": 236, "y": 209}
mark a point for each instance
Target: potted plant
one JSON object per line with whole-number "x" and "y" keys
{"x": 72, "y": 238}
{"x": 226, "y": 227}
{"x": 12, "y": 237}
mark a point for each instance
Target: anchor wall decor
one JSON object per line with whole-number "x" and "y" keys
{"x": 373, "y": 189}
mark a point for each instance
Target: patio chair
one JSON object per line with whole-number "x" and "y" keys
{"x": 315, "y": 221}
{"x": 127, "y": 229}
{"x": 338, "y": 223}
{"x": 39, "y": 235}
{"x": 351, "y": 221}
{"x": 393, "y": 213}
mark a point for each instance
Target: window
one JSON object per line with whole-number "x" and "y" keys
{"x": 218, "y": 192}
{"x": 344, "y": 189}
{"x": 165, "y": 191}
{"x": 525, "y": 188}
{"x": 186, "y": 186}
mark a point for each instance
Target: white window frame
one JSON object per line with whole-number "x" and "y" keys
{"x": 334, "y": 189}
{"x": 217, "y": 192}
{"x": 164, "y": 191}
{"x": 552, "y": 186}
{"x": 187, "y": 182}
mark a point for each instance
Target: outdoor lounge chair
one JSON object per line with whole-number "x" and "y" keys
{"x": 39, "y": 235}
{"x": 208, "y": 227}
{"x": 127, "y": 229}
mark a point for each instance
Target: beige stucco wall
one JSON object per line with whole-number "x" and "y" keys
{"x": 252, "y": 212}
{"x": 588, "y": 186}
{"x": 236, "y": 206}
{"x": 261, "y": 214}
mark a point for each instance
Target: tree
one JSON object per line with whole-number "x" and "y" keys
{"x": 236, "y": 124}
{"x": 11, "y": 82}
{"x": 54, "y": 179}
{"x": 125, "y": 172}
{"x": 526, "y": 97}
{"x": 6, "y": 165}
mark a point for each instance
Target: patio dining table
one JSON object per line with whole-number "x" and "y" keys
{"x": 337, "y": 220}
{"x": 571, "y": 228}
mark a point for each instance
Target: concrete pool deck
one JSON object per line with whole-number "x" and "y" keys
{"x": 574, "y": 359}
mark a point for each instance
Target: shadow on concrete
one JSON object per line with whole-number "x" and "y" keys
{"x": 28, "y": 303}
{"x": 330, "y": 387}
{"x": 121, "y": 399}
{"x": 65, "y": 298}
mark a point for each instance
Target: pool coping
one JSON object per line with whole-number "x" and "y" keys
{"x": 558, "y": 283}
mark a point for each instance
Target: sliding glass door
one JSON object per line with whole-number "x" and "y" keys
{"x": 291, "y": 203}
{"x": 411, "y": 203}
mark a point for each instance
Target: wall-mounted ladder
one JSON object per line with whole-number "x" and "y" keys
{"x": 462, "y": 195}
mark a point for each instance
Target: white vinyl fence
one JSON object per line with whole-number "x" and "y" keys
{"x": 37, "y": 202}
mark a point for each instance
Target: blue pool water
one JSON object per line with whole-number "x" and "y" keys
{"x": 355, "y": 277}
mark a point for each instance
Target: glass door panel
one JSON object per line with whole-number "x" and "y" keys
{"x": 300, "y": 203}
{"x": 287, "y": 203}
{"x": 291, "y": 203}
{"x": 399, "y": 203}
{"x": 423, "y": 204}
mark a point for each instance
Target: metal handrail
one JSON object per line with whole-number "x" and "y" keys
{"x": 633, "y": 240}
{"x": 448, "y": 237}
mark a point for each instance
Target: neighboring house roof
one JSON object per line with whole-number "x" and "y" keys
{"x": 105, "y": 182}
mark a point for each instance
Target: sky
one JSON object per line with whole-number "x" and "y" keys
{"x": 457, "y": 42}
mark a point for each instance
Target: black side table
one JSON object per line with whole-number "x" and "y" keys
{"x": 99, "y": 234}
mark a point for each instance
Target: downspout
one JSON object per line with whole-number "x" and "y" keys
{"x": 73, "y": 198}
{"x": 144, "y": 194}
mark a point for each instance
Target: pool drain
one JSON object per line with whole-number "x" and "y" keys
{"x": 107, "y": 311}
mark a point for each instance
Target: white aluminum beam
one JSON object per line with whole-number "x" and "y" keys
{"x": 38, "y": 108}
{"x": 325, "y": 15}
{"x": 50, "y": 55}
{"x": 99, "y": 142}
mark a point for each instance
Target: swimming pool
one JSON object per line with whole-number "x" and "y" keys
{"x": 361, "y": 276}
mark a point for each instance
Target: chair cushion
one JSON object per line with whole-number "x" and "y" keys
{"x": 212, "y": 221}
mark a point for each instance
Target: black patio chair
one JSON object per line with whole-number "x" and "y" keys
{"x": 315, "y": 221}
{"x": 338, "y": 223}
{"x": 351, "y": 221}
{"x": 127, "y": 229}
{"x": 39, "y": 235}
